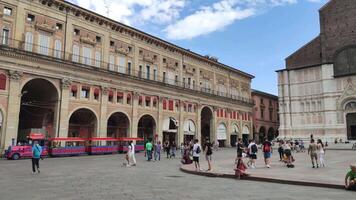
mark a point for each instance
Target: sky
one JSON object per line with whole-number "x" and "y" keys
{"x": 254, "y": 36}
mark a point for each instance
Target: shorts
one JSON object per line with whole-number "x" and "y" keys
{"x": 314, "y": 155}
{"x": 267, "y": 154}
{"x": 253, "y": 156}
{"x": 208, "y": 157}
{"x": 195, "y": 159}
{"x": 288, "y": 152}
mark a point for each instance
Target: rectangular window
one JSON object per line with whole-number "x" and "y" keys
{"x": 43, "y": 42}
{"x": 164, "y": 77}
{"x": 140, "y": 71}
{"x": 189, "y": 82}
{"x": 122, "y": 64}
{"x": 5, "y": 36}
{"x": 176, "y": 80}
{"x": 271, "y": 115}
{"x": 170, "y": 105}
{"x": 129, "y": 68}
{"x": 111, "y": 63}
{"x": 97, "y": 59}
{"x": 183, "y": 82}
{"x": 120, "y": 97}
{"x": 155, "y": 74}
{"x": 262, "y": 113}
{"x": 147, "y": 72}
{"x": 86, "y": 56}
{"x": 57, "y": 49}
{"x": 28, "y": 41}
{"x": 7, "y": 11}
{"x": 193, "y": 85}
{"x": 75, "y": 57}
{"x": 111, "y": 96}
{"x": 148, "y": 101}
{"x": 59, "y": 26}
{"x": 30, "y": 18}
{"x": 85, "y": 93}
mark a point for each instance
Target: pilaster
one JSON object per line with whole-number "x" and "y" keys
{"x": 64, "y": 108}
{"x": 134, "y": 119}
{"x": 103, "y": 122}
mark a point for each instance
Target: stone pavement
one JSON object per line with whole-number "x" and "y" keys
{"x": 331, "y": 176}
{"x": 103, "y": 177}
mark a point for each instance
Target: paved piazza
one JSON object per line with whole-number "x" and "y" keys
{"x": 103, "y": 177}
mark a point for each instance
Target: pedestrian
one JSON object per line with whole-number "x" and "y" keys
{"x": 173, "y": 148}
{"x": 240, "y": 147}
{"x": 302, "y": 148}
{"x": 181, "y": 148}
{"x": 166, "y": 148}
{"x": 240, "y": 170}
{"x": 267, "y": 152}
{"x": 132, "y": 153}
{"x": 321, "y": 153}
{"x": 350, "y": 178}
{"x": 36, "y": 155}
{"x": 208, "y": 153}
{"x": 280, "y": 150}
{"x": 252, "y": 149}
{"x": 287, "y": 154}
{"x": 313, "y": 154}
{"x": 149, "y": 150}
{"x": 196, "y": 153}
{"x": 157, "y": 149}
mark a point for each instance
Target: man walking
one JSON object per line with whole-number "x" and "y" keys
{"x": 267, "y": 152}
{"x": 158, "y": 151}
{"x": 313, "y": 154}
{"x": 133, "y": 153}
{"x": 252, "y": 149}
{"x": 36, "y": 155}
{"x": 149, "y": 150}
{"x": 240, "y": 147}
{"x": 196, "y": 152}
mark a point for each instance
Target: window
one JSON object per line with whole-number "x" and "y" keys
{"x": 98, "y": 39}
{"x": 129, "y": 68}
{"x": 85, "y": 93}
{"x": 96, "y": 94}
{"x": 111, "y": 96}
{"x": 261, "y": 100}
{"x": 262, "y": 113}
{"x": 271, "y": 115}
{"x": 170, "y": 105}
{"x": 7, "y": 11}
{"x": 76, "y": 31}
{"x": 155, "y": 73}
{"x": 183, "y": 82}
{"x": 97, "y": 59}
{"x": 57, "y": 49}
{"x": 43, "y": 43}
{"x": 193, "y": 86}
{"x": 128, "y": 99}
{"x": 140, "y": 101}
{"x": 154, "y": 102}
{"x": 74, "y": 91}
{"x": 28, "y": 41}
{"x": 122, "y": 64}
{"x": 86, "y": 56}
{"x": 59, "y": 26}
{"x": 164, "y": 77}
{"x": 75, "y": 57}
{"x": 189, "y": 82}
{"x": 2, "y": 82}
{"x": 148, "y": 72}
{"x": 111, "y": 63}
{"x": 120, "y": 97}
{"x": 30, "y": 18}
{"x": 164, "y": 60}
{"x": 112, "y": 43}
{"x": 5, "y": 36}
{"x": 148, "y": 101}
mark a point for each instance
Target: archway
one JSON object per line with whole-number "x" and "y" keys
{"x": 170, "y": 130}
{"x": 234, "y": 135}
{"x": 146, "y": 127}
{"x": 118, "y": 125}
{"x": 39, "y": 105}
{"x": 206, "y": 124}
{"x": 221, "y": 134}
{"x": 271, "y": 134}
{"x": 83, "y": 124}
{"x": 262, "y": 134}
{"x": 245, "y": 135}
{"x": 351, "y": 126}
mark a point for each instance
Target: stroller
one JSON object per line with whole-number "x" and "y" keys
{"x": 186, "y": 160}
{"x": 288, "y": 158}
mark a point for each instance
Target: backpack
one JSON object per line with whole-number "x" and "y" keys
{"x": 198, "y": 150}
{"x": 254, "y": 148}
{"x": 266, "y": 148}
{"x": 209, "y": 151}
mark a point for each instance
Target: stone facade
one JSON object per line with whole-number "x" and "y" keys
{"x": 317, "y": 88}
{"x": 69, "y": 72}
{"x": 265, "y": 116}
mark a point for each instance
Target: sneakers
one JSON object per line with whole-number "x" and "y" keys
{"x": 268, "y": 166}
{"x": 38, "y": 170}
{"x": 33, "y": 173}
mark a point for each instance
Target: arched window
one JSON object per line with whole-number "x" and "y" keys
{"x": 2, "y": 82}
{"x": 57, "y": 49}
{"x": 28, "y": 41}
{"x": 345, "y": 62}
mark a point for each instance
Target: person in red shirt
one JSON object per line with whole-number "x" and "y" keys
{"x": 267, "y": 152}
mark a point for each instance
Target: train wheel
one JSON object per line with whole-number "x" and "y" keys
{"x": 16, "y": 156}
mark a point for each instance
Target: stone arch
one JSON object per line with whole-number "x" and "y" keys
{"x": 83, "y": 122}
{"x": 146, "y": 127}
{"x": 206, "y": 121}
{"x": 53, "y": 82}
{"x": 118, "y": 125}
{"x": 271, "y": 134}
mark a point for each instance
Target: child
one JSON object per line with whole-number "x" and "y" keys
{"x": 240, "y": 170}
{"x": 350, "y": 179}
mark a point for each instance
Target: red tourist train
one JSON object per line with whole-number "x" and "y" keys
{"x": 73, "y": 146}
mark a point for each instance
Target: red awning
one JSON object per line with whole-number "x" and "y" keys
{"x": 129, "y": 139}
{"x": 148, "y": 98}
{"x": 71, "y": 139}
{"x": 120, "y": 94}
{"x": 36, "y": 136}
{"x": 96, "y": 91}
{"x": 74, "y": 88}
{"x": 111, "y": 93}
{"x": 154, "y": 99}
{"x": 103, "y": 139}
{"x": 129, "y": 96}
{"x": 140, "y": 98}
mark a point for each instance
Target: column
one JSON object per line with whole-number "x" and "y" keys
{"x": 181, "y": 124}
{"x": 213, "y": 130}
{"x": 160, "y": 119}
{"x": 13, "y": 110}
{"x": 64, "y": 106}
{"x": 103, "y": 120}
{"x": 198, "y": 123}
{"x": 134, "y": 117}
{"x": 228, "y": 129}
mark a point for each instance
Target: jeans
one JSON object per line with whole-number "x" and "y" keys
{"x": 149, "y": 155}
{"x": 158, "y": 155}
{"x": 35, "y": 161}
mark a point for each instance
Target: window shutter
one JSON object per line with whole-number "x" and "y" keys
{"x": 2, "y": 82}
{"x": 122, "y": 63}
{"x": 75, "y": 57}
{"x": 86, "y": 56}
{"x": 43, "y": 44}
{"x": 111, "y": 63}
{"x": 97, "y": 59}
{"x": 57, "y": 49}
{"x": 28, "y": 41}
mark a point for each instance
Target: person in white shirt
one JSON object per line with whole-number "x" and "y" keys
{"x": 252, "y": 151}
{"x": 321, "y": 153}
{"x": 133, "y": 154}
{"x": 196, "y": 152}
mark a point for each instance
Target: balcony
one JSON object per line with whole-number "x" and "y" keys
{"x": 18, "y": 47}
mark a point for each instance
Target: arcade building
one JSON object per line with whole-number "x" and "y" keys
{"x": 68, "y": 72}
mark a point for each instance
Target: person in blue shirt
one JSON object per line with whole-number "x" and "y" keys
{"x": 36, "y": 155}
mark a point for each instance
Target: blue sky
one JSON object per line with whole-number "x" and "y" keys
{"x": 254, "y": 36}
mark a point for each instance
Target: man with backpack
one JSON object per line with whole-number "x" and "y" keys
{"x": 267, "y": 152}
{"x": 252, "y": 149}
{"x": 196, "y": 152}
{"x": 36, "y": 155}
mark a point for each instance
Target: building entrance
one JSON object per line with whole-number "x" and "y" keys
{"x": 351, "y": 126}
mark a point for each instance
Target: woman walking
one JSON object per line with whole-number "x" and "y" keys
{"x": 321, "y": 153}
{"x": 208, "y": 153}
